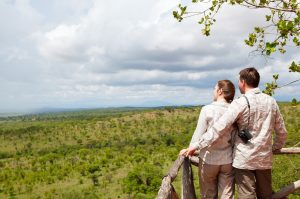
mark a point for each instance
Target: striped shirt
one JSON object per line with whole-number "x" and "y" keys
{"x": 220, "y": 152}
{"x": 264, "y": 117}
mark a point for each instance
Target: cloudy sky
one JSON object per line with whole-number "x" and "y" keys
{"x": 99, "y": 53}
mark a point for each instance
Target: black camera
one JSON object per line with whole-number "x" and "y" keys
{"x": 245, "y": 135}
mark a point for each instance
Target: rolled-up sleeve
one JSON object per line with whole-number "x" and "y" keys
{"x": 222, "y": 125}
{"x": 280, "y": 131}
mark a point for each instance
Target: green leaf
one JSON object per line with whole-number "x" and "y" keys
{"x": 251, "y": 39}
{"x": 257, "y": 29}
{"x": 276, "y": 76}
{"x": 262, "y": 2}
{"x": 296, "y": 41}
{"x": 290, "y": 25}
{"x": 294, "y": 67}
{"x": 268, "y": 17}
{"x": 271, "y": 47}
{"x": 282, "y": 50}
{"x": 175, "y": 14}
{"x": 201, "y": 21}
{"x": 206, "y": 30}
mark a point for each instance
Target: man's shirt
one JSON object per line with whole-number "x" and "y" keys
{"x": 220, "y": 152}
{"x": 265, "y": 117}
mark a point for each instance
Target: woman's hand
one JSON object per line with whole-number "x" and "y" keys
{"x": 183, "y": 152}
{"x": 188, "y": 151}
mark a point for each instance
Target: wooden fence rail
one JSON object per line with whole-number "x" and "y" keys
{"x": 167, "y": 190}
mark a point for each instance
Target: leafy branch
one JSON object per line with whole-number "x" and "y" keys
{"x": 283, "y": 29}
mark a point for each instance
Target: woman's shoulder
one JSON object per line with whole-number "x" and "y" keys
{"x": 206, "y": 107}
{"x": 216, "y": 105}
{"x": 209, "y": 108}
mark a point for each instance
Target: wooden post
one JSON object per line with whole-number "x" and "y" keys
{"x": 285, "y": 191}
{"x": 188, "y": 189}
{"x": 166, "y": 190}
{"x": 194, "y": 160}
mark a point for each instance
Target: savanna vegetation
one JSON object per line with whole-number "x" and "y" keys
{"x": 108, "y": 153}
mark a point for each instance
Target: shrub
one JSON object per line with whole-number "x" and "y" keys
{"x": 143, "y": 179}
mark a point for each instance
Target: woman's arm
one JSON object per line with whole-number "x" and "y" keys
{"x": 202, "y": 126}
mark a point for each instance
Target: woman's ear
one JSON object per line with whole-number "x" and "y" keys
{"x": 220, "y": 91}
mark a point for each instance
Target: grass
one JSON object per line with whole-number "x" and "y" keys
{"x": 90, "y": 154}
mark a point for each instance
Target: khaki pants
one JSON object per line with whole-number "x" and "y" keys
{"x": 254, "y": 183}
{"x": 214, "y": 179}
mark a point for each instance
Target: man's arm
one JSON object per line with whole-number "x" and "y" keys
{"x": 222, "y": 126}
{"x": 280, "y": 131}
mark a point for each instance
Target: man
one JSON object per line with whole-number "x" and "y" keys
{"x": 258, "y": 114}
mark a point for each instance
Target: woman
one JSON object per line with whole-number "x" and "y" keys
{"x": 215, "y": 165}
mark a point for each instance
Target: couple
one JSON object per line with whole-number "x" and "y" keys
{"x": 235, "y": 140}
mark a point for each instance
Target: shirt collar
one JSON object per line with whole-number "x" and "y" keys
{"x": 221, "y": 103}
{"x": 253, "y": 91}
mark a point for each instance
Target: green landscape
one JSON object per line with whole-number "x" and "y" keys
{"x": 109, "y": 153}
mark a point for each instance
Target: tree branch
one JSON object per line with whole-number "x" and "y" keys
{"x": 269, "y": 7}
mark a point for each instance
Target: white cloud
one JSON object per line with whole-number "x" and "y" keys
{"x": 110, "y": 53}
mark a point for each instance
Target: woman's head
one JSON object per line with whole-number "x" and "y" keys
{"x": 224, "y": 89}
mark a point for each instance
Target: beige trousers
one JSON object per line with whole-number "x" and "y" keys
{"x": 216, "y": 179}
{"x": 252, "y": 184}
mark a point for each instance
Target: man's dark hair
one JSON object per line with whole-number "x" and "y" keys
{"x": 250, "y": 76}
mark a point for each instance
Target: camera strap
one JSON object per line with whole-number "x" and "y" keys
{"x": 248, "y": 109}
{"x": 245, "y": 134}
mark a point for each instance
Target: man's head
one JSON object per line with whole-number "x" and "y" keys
{"x": 249, "y": 78}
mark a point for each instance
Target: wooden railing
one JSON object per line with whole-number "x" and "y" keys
{"x": 167, "y": 190}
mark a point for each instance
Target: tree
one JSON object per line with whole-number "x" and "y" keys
{"x": 143, "y": 179}
{"x": 282, "y": 29}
